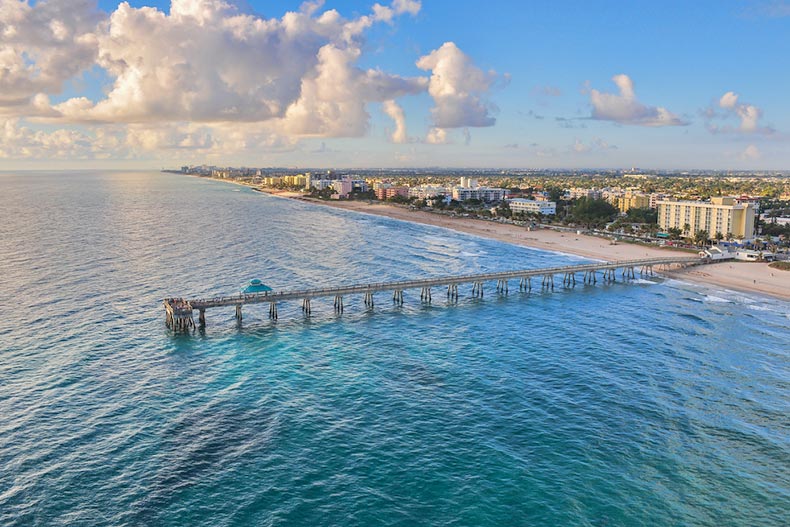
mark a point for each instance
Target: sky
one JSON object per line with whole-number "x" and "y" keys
{"x": 399, "y": 83}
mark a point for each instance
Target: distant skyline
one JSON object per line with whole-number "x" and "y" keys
{"x": 401, "y": 83}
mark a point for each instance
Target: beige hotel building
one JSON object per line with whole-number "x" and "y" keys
{"x": 721, "y": 214}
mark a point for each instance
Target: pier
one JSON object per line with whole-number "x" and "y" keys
{"x": 179, "y": 312}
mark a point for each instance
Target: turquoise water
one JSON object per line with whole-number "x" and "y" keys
{"x": 652, "y": 403}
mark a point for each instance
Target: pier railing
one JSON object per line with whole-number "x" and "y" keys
{"x": 179, "y": 309}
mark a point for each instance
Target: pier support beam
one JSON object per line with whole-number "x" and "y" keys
{"x": 425, "y": 294}
{"x": 368, "y": 299}
{"x": 273, "y": 311}
{"x": 477, "y": 289}
{"x": 202, "y": 318}
{"x": 501, "y": 287}
{"x": 306, "y": 309}
{"x": 238, "y": 312}
{"x": 338, "y": 304}
{"x": 397, "y": 297}
{"x": 452, "y": 292}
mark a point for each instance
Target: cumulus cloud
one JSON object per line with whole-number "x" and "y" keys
{"x": 624, "y": 108}
{"x": 44, "y": 45}
{"x": 222, "y": 65}
{"x": 436, "y": 136}
{"x": 728, "y": 100}
{"x": 457, "y": 87}
{"x": 332, "y": 100}
{"x": 206, "y": 75}
{"x": 18, "y": 141}
{"x": 730, "y": 108}
{"x": 395, "y": 112}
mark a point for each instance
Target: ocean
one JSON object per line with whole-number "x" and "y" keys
{"x": 653, "y": 403}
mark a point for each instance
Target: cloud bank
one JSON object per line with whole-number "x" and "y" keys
{"x": 205, "y": 75}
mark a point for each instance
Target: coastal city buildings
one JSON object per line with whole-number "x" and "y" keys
{"x": 589, "y": 193}
{"x": 631, "y": 200}
{"x": 756, "y": 213}
{"x": 388, "y": 192}
{"x": 719, "y": 216}
{"x": 470, "y": 189}
{"x": 428, "y": 191}
{"x": 346, "y": 185}
{"x": 487, "y": 194}
{"x": 531, "y": 206}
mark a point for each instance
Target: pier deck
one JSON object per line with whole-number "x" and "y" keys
{"x": 179, "y": 311}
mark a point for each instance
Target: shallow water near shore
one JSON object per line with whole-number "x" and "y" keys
{"x": 650, "y": 403}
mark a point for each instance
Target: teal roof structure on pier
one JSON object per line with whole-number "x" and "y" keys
{"x": 256, "y": 286}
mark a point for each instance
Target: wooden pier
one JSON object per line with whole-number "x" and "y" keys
{"x": 179, "y": 312}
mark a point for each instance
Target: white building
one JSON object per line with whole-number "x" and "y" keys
{"x": 321, "y": 184}
{"x": 487, "y": 194}
{"x": 531, "y": 206}
{"x": 467, "y": 182}
{"x": 589, "y": 193}
{"x": 428, "y": 191}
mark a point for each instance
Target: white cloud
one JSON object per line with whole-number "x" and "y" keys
{"x": 457, "y": 87}
{"x": 18, "y": 141}
{"x": 44, "y": 45}
{"x": 750, "y": 153}
{"x": 624, "y": 108}
{"x": 333, "y": 99}
{"x": 399, "y": 7}
{"x": 728, "y": 100}
{"x": 748, "y": 114}
{"x": 223, "y": 65}
{"x": 395, "y": 112}
{"x": 206, "y": 76}
{"x": 436, "y": 136}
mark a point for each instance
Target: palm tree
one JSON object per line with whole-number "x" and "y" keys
{"x": 701, "y": 237}
{"x": 686, "y": 229}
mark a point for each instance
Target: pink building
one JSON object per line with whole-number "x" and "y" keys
{"x": 391, "y": 192}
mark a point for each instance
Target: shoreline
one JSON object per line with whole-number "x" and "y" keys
{"x": 747, "y": 277}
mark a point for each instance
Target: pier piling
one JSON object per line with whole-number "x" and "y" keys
{"x": 179, "y": 312}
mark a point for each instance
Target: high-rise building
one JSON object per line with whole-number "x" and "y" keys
{"x": 721, "y": 215}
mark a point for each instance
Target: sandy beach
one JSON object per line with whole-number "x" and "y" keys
{"x": 754, "y": 277}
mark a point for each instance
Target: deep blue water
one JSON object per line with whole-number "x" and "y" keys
{"x": 651, "y": 403}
